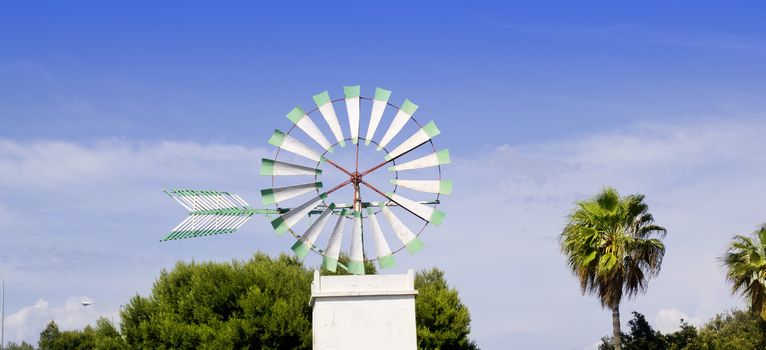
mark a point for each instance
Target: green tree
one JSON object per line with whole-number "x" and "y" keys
{"x": 745, "y": 263}
{"x": 261, "y": 303}
{"x": 443, "y": 321}
{"x": 609, "y": 246}
{"x": 735, "y": 330}
{"x": 23, "y": 346}
{"x": 107, "y": 337}
{"x": 51, "y": 338}
{"x": 643, "y": 337}
{"x": 682, "y": 339}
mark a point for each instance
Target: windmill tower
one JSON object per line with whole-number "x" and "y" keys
{"x": 379, "y": 309}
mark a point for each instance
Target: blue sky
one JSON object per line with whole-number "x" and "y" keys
{"x": 103, "y": 105}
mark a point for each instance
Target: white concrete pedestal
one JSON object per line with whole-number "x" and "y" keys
{"x": 364, "y": 312}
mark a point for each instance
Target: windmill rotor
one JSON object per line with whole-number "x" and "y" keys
{"x": 353, "y": 182}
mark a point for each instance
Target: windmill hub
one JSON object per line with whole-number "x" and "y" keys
{"x": 356, "y": 178}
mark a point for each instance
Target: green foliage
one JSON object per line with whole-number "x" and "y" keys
{"x": 609, "y": 246}
{"x": 51, "y": 338}
{"x": 103, "y": 337}
{"x": 443, "y": 321}
{"x": 642, "y": 336}
{"x": 682, "y": 339}
{"x": 23, "y": 346}
{"x": 261, "y": 303}
{"x": 735, "y": 330}
{"x": 745, "y": 263}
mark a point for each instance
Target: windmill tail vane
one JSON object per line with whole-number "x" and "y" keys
{"x": 211, "y": 213}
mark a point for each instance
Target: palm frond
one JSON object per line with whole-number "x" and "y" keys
{"x": 609, "y": 246}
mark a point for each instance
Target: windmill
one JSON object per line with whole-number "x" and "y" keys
{"x": 305, "y": 169}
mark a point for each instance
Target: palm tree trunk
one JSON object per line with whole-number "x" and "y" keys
{"x": 616, "y": 328}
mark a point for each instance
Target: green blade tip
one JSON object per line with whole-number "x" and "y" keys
{"x": 443, "y": 156}
{"x": 415, "y": 245}
{"x": 267, "y": 166}
{"x": 277, "y": 138}
{"x": 386, "y": 261}
{"x": 437, "y": 217}
{"x": 301, "y": 249}
{"x": 322, "y": 98}
{"x": 382, "y": 94}
{"x": 431, "y": 130}
{"x": 445, "y": 187}
{"x": 351, "y": 91}
{"x": 356, "y": 267}
{"x": 279, "y": 225}
{"x": 409, "y": 107}
{"x": 296, "y": 114}
{"x": 329, "y": 264}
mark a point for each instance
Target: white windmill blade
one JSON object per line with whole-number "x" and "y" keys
{"x": 423, "y": 211}
{"x": 405, "y": 235}
{"x": 324, "y": 103}
{"x": 290, "y": 218}
{"x": 431, "y": 160}
{"x": 356, "y": 254}
{"x": 402, "y": 116}
{"x": 278, "y": 194}
{"x": 277, "y": 168}
{"x": 304, "y": 244}
{"x": 379, "y": 104}
{"x": 304, "y": 122}
{"x": 428, "y": 186}
{"x": 351, "y": 93}
{"x": 385, "y": 258}
{"x": 331, "y": 254}
{"x": 418, "y": 138}
{"x": 293, "y": 145}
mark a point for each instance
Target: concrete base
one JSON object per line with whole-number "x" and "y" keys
{"x": 364, "y": 312}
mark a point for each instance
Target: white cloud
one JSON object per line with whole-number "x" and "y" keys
{"x": 669, "y": 320}
{"x": 27, "y": 323}
{"x": 91, "y": 216}
{"x": 702, "y": 182}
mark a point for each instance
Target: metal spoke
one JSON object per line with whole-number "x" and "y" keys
{"x": 338, "y": 166}
{"x": 390, "y": 160}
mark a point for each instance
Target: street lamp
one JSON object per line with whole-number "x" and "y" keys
{"x": 2, "y": 317}
{"x": 86, "y": 303}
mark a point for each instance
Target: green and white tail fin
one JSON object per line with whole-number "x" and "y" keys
{"x": 210, "y": 213}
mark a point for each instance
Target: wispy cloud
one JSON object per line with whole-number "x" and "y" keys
{"x": 89, "y": 216}
{"x": 29, "y": 321}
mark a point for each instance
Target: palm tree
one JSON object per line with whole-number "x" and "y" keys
{"x": 745, "y": 263}
{"x": 610, "y": 248}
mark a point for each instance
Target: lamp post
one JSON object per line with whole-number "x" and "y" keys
{"x": 2, "y": 317}
{"x": 86, "y": 303}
